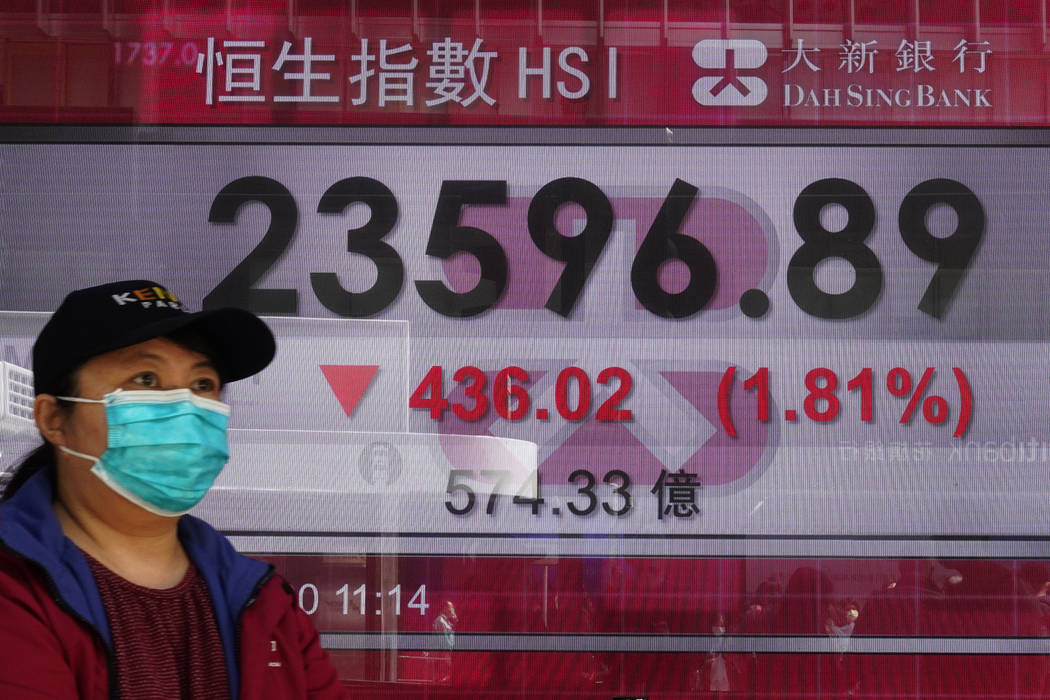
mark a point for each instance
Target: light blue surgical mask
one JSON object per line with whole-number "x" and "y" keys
{"x": 164, "y": 448}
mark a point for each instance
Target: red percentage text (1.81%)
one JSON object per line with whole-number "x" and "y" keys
{"x": 822, "y": 404}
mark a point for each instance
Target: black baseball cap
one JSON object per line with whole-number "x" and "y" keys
{"x": 99, "y": 319}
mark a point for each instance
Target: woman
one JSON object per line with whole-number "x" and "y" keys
{"x": 107, "y": 588}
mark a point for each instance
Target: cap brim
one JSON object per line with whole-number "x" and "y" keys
{"x": 242, "y": 344}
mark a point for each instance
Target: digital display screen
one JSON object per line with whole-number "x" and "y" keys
{"x": 584, "y": 391}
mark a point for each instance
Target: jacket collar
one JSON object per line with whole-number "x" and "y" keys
{"x": 29, "y": 528}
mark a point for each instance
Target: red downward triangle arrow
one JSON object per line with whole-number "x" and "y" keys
{"x": 349, "y": 383}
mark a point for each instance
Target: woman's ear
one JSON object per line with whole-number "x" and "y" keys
{"x": 50, "y": 418}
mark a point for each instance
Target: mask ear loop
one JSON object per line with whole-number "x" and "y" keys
{"x": 93, "y": 460}
{"x": 77, "y": 399}
{"x": 63, "y": 448}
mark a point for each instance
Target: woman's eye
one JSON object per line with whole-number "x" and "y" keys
{"x": 146, "y": 379}
{"x": 205, "y": 385}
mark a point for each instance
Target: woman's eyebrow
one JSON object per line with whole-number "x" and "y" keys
{"x": 147, "y": 355}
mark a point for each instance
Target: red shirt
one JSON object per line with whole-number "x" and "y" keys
{"x": 165, "y": 641}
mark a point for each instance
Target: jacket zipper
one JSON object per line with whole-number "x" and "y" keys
{"x": 52, "y": 588}
{"x": 252, "y": 597}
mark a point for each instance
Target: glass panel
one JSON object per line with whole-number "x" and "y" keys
{"x": 601, "y": 372}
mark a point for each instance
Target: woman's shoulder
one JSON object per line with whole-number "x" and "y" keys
{"x": 46, "y": 651}
{"x": 18, "y": 574}
{"x": 32, "y": 618}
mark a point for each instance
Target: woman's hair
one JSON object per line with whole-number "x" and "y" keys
{"x": 43, "y": 457}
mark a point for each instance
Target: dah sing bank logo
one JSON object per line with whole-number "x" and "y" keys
{"x": 724, "y": 86}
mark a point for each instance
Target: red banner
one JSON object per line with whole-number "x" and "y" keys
{"x": 499, "y": 63}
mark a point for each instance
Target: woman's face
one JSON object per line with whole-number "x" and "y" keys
{"x": 158, "y": 364}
